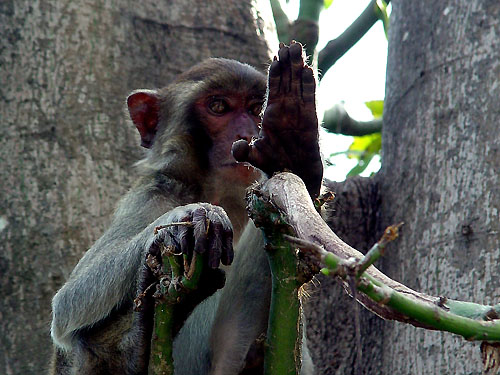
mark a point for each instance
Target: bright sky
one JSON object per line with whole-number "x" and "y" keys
{"x": 358, "y": 77}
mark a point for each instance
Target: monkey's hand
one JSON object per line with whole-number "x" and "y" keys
{"x": 199, "y": 228}
{"x": 188, "y": 233}
{"x": 288, "y": 139}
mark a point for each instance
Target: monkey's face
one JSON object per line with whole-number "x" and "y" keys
{"x": 228, "y": 117}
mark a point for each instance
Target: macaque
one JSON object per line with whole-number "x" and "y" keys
{"x": 191, "y": 129}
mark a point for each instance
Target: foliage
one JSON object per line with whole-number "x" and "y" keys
{"x": 328, "y": 3}
{"x": 364, "y": 148}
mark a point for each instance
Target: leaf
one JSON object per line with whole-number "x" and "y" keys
{"x": 376, "y": 107}
{"x": 367, "y": 144}
{"x": 364, "y": 149}
{"x": 328, "y": 3}
{"x": 361, "y": 166}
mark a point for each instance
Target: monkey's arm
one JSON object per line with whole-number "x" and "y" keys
{"x": 288, "y": 139}
{"x": 107, "y": 275}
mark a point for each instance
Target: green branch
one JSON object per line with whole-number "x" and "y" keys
{"x": 283, "y": 339}
{"x": 336, "y": 48}
{"x": 162, "y": 361}
{"x": 282, "y": 22}
{"x": 380, "y": 294}
{"x": 440, "y": 316}
{"x": 177, "y": 277}
{"x": 284, "y": 333}
{"x": 310, "y": 10}
{"x": 304, "y": 29}
{"x": 337, "y": 120}
{"x": 469, "y": 320}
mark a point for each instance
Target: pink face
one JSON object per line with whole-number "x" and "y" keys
{"x": 228, "y": 118}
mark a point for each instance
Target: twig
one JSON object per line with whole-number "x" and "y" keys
{"x": 377, "y": 250}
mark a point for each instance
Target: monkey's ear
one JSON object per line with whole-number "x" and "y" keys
{"x": 144, "y": 106}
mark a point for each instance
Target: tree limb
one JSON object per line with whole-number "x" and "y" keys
{"x": 281, "y": 20}
{"x": 380, "y": 294}
{"x": 337, "y": 47}
{"x": 337, "y": 120}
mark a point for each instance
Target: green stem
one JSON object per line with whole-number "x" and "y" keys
{"x": 443, "y": 316}
{"x": 162, "y": 362}
{"x": 283, "y": 347}
{"x": 281, "y": 20}
{"x": 436, "y": 317}
{"x": 310, "y": 10}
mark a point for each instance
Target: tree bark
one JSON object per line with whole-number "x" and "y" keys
{"x": 440, "y": 176}
{"x": 330, "y": 324}
{"x": 440, "y": 171}
{"x": 66, "y": 151}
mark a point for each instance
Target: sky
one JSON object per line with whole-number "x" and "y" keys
{"x": 357, "y": 77}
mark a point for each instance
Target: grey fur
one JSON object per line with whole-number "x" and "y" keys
{"x": 93, "y": 327}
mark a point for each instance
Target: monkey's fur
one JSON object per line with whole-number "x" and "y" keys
{"x": 93, "y": 327}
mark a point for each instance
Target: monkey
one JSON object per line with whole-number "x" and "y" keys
{"x": 208, "y": 135}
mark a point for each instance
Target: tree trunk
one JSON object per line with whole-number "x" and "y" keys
{"x": 440, "y": 172}
{"x": 440, "y": 176}
{"x": 66, "y": 151}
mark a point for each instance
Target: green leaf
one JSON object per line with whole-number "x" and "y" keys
{"x": 376, "y": 107}
{"x": 328, "y": 3}
{"x": 364, "y": 149}
{"x": 365, "y": 145}
{"x": 361, "y": 166}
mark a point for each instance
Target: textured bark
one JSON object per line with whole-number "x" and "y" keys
{"x": 440, "y": 175}
{"x": 440, "y": 172}
{"x": 66, "y": 151}
{"x": 331, "y": 333}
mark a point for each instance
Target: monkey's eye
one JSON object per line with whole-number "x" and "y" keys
{"x": 218, "y": 106}
{"x": 255, "y": 109}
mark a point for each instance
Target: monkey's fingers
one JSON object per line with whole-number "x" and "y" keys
{"x": 308, "y": 86}
{"x": 215, "y": 233}
{"x": 274, "y": 78}
{"x": 185, "y": 237}
{"x": 297, "y": 66}
{"x": 200, "y": 223}
{"x": 220, "y": 238}
{"x": 240, "y": 150}
{"x": 243, "y": 152}
{"x": 285, "y": 69}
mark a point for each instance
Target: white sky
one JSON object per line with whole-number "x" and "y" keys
{"x": 357, "y": 77}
